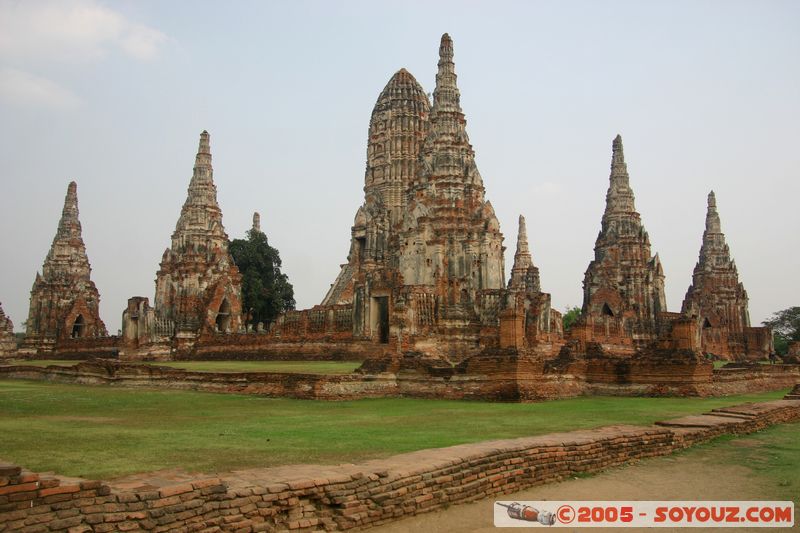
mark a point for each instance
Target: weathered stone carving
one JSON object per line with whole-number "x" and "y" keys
{"x": 717, "y": 299}
{"x": 623, "y": 288}
{"x": 64, "y": 300}
{"x": 450, "y": 237}
{"x": 397, "y": 128}
{"x": 198, "y": 287}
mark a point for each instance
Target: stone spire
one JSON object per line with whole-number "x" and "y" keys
{"x": 4, "y": 320}
{"x": 619, "y": 198}
{"x": 450, "y": 228}
{"x": 64, "y": 291}
{"x": 200, "y": 223}
{"x": 713, "y": 224}
{"x": 197, "y": 282}
{"x": 67, "y": 255}
{"x": 397, "y": 128}
{"x": 256, "y": 222}
{"x": 522, "y": 240}
{"x": 524, "y": 275}
{"x": 447, "y": 156}
{"x": 624, "y": 279}
{"x": 716, "y": 296}
{"x": 446, "y": 97}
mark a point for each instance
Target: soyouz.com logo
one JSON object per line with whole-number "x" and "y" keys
{"x": 706, "y": 514}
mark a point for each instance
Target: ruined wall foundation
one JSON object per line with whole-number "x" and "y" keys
{"x": 335, "y": 498}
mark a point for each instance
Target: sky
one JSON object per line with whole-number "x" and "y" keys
{"x": 114, "y": 95}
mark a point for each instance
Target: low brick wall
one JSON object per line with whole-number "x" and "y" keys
{"x": 496, "y": 379}
{"x": 80, "y": 348}
{"x": 263, "y": 346}
{"x": 309, "y": 497}
{"x": 272, "y": 384}
{"x": 752, "y": 378}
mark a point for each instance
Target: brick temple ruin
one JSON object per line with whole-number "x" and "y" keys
{"x": 198, "y": 287}
{"x": 8, "y": 343}
{"x": 718, "y": 300}
{"x": 65, "y": 303}
{"x": 426, "y": 272}
{"x": 423, "y": 294}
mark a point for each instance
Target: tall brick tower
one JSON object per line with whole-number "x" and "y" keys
{"x": 198, "y": 286}
{"x": 716, "y": 297}
{"x": 397, "y": 128}
{"x": 65, "y": 302}
{"x": 450, "y": 237}
{"x": 8, "y": 343}
{"x": 624, "y": 281}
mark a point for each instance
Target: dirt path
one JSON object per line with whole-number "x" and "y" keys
{"x": 695, "y": 475}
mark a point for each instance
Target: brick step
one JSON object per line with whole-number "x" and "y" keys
{"x": 724, "y": 414}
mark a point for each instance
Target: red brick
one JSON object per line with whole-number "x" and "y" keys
{"x": 21, "y": 496}
{"x": 166, "y": 492}
{"x": 203, "y": 483}
{"x": 89, "y": 485}
{"x": 65, "y": 489}
{"x": 9, "y": 489}
{"x": 7, "y": 470}
{"x": 28, "y": 477}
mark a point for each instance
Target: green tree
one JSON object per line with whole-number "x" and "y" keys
{"x": 570, "y": 316}
{"x": 785, "y": 328}
{"x": 266, "y": 291}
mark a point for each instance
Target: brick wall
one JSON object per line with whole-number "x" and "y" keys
{"x": 308, "y": 497}
{"x": 492, "y": 376}
{"x": 273, "y": 384}
{"x": 753, "y": 377}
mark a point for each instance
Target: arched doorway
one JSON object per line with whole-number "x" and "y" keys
{"x": 223, "y": 321}
{"x": 78, "y": 327}
{"x": 607, "y": 310}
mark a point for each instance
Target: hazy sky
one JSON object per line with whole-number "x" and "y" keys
{"x": 114, "y": 95}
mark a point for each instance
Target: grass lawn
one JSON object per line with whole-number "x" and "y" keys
{"x": 103, "y": 432}
{"x": 773, "y": 454}
{"x": 39, "y": 362}
{"x": 720, "y": 364}
{"x": 291, "y": 367}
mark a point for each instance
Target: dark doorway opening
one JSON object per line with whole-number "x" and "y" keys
{"x": 607, "y": 310}
{"x": 223, "y": 321}
{"x": 380, "y": 318}
{"x": 78, "y": 327}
